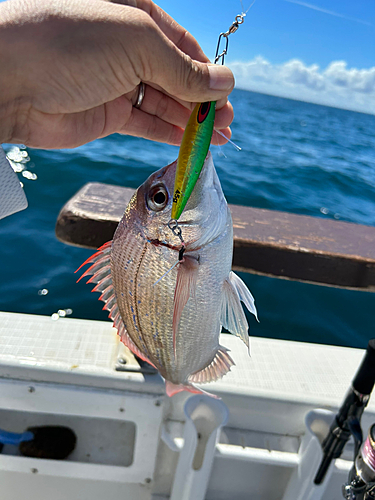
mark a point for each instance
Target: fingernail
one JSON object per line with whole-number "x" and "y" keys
{"x": 221, "y": 77}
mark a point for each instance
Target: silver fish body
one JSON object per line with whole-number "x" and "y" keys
{"x": 172, "y": 316}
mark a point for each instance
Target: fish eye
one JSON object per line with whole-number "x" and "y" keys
{"x": 157, "y": 198}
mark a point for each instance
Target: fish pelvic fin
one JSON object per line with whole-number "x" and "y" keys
{"x": 232, "y": 316}
{"x": 172, "y": 389}
{"x": 187, "y": 275}
{"x": 243, "y": 293}
{"x": 219, "y": 366}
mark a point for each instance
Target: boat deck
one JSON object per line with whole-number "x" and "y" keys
{"x": 65, "y": 370}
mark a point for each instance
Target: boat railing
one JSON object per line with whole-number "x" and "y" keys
{"x": 267, "y": 242}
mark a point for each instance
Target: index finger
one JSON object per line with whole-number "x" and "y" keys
{"x": 175, "y": 32}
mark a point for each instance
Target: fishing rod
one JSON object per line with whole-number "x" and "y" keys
{"x": 196, "y": 142}
{"x": 347, "y": 422}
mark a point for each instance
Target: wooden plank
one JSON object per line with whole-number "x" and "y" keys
{"x": 267, "y": 242}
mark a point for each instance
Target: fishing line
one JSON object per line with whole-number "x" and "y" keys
{"x": 230, "y": 142}
{"x": 221, "y": 152}
{"x": 165, "y": 274}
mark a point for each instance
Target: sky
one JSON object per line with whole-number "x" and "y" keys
{"x": 320, "y": 51}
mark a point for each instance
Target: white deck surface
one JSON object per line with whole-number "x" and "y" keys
{"x": 70, "y": 363}
{"x": 72, "y": 348}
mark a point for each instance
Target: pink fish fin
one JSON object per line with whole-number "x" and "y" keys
{"x": 187, "y": 275}
{"x": 109, "y": 303}
{"x": 103, "y": 250}
{"x": 103, "y": 285}
{"x": 101, "y": 275}
{"x": 127, "y": 341}
{"x": 219, "y": 366}
{"x": 232, "y": 316}
{"x": 172, "y": 389}
{"x": 101, "y": 271}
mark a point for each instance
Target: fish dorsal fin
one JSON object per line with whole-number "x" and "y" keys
{"x": 232, "y": 316}
{"x": 219, "y": 366}
{"x": 185, "y": 286}
{"x": 127, "y": 341}
{"x": 101, "y": 275}
{"x": 101, "y": 258}
{"x": 100, "y": 271}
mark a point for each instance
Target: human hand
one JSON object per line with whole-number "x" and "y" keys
{"x": 71, "y": 69}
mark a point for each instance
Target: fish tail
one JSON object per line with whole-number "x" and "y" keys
{"x": 172, "y": 389}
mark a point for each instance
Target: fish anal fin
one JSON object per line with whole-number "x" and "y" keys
{"x": 219, "y": 366}
{"x": 185, "y": 286}
{"x": 171, "y": 389}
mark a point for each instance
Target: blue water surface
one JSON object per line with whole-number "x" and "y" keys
{"x": 296, "y": 157}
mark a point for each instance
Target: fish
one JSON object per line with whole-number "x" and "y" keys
{"x": 168, "y": 310}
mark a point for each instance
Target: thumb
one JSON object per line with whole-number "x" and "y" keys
{"x": 181, "y": 76}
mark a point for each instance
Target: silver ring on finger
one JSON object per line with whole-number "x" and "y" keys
{"x": 141, "y": 95}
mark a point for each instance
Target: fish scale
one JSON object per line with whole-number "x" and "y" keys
{"x": 169, "y": 310}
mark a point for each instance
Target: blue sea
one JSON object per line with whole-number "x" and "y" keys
{"x": 296, "y": 157}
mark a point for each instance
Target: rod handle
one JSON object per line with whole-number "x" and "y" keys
{"x": 364, "y": 379}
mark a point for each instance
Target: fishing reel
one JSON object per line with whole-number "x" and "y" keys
{"x": 361, "y": 480}
{"x": 346, "y": 424}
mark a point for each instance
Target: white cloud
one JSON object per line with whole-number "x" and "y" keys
{"x": 337, "y": 85}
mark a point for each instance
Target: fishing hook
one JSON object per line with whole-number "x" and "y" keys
{"x": 176, "y": 230}
{"x": 239, "y": 19}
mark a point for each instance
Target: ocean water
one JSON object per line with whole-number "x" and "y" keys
{"x": 296, "y": 157}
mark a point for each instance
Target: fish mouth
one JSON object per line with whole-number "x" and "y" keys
{"x": 159, "y": 243}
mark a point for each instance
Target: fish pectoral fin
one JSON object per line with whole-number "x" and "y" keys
{"x": 185, "y": 286}
{"x": 171, "y": 389}
{"x": 232, "y": 316}
{"x": 219, "y": 366}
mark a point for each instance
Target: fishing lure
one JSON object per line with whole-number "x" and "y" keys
{"x": 196, "y": 141}
{"x": 193, "y": 151}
